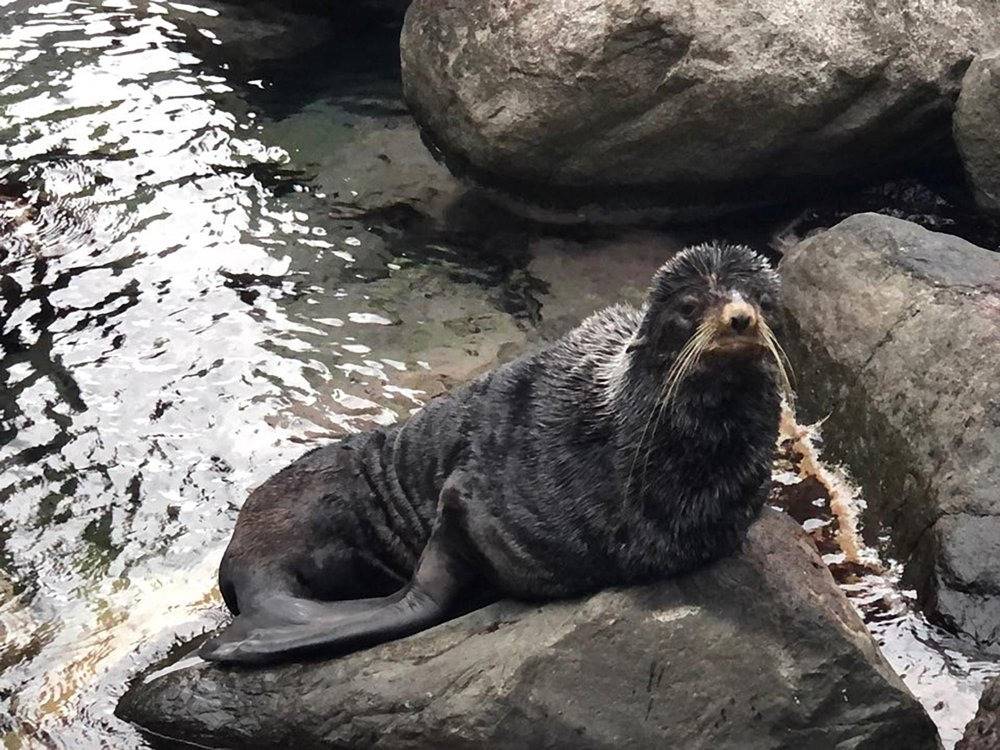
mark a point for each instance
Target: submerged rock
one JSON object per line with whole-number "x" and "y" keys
{"x": 977, "y": 129}
{"x": 698, "y": 106}
{"x": 758, "y": 651}
{"x": 983, "y": 732}
{"x": 894, "y": 338}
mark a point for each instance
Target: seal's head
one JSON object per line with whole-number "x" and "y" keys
{"x": 710, "y": 306}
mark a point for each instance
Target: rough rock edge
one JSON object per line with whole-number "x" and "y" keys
{"x": 610, "y": 201}
{"x": 977, "y": 144}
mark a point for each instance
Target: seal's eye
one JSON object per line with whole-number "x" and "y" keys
{"x": 687, "y": 307}
{"x": 766, "y": 303}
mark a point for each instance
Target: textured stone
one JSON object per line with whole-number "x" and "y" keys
{"x": 699, "y": 106}
{"x": 977, "y": 129}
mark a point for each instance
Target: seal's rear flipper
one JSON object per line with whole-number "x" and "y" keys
{"x": 238, "y": 630}
{"x": 441, "y": 579}
{"x": 278, "y": 611}
{"x": 341, "y": 630}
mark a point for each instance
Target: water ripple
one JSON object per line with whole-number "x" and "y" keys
{"x": 165, "y": 300}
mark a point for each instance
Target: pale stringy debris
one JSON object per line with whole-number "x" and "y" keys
{"x": 839, "y": 489}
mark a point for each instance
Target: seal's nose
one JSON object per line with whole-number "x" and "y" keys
{"x": 740, "y": 322}
{"x": 738, "y": 316}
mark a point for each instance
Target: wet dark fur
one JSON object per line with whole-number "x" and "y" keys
{"x": 555, "y": 474}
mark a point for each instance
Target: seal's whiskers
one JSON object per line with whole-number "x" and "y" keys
{"x": 657, "y": 413}
{"x": 638, "y": 447}
{"x": 780, "y": 359}
{"x": 684, "y": 361}
{"x": 654, "y": 414}
{"x": 687, "y": 359}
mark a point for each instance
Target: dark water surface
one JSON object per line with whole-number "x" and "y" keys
{"x": 221, "y": 242}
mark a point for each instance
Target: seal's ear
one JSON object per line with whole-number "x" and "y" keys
{"x": 639, "y": 343}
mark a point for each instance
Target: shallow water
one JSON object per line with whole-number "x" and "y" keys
{"x": 222, "y": 242}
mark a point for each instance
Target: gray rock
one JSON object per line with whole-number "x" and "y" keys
{"x": 702, "y": 105}
{"x": 758, "y": 651}
{"x": 977, "y": 129}
{"x": 983, "y": 732}
{"x": 895, "y": 337}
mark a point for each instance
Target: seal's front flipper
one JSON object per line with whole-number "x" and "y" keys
{"x": 443, "y": 576}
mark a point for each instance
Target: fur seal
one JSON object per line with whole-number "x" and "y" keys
{"x": 636, "y": 447}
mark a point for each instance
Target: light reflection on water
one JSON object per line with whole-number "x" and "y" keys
{"x": 174, "y": 328}
{"x": 220, "y": 241}
{"x": 944, "y": 672}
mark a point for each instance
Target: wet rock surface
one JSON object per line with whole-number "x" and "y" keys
{"x": 758, "y": 651}
{"x": 977, "y": 129}
{"x": 983, "y": 732}
{"x": 894, "y": 337}
{"x": 700, "y": 107}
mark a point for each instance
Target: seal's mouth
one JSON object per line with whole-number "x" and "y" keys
{"x": 738, "y": 345}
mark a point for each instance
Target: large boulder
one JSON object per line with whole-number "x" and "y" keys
{"x": 896, "y": 339}
{"x": 761, "y": 650}
{"x": 977, "y": 129}
{"x": 700, "y": 105}
{"x": 983, "y": 732}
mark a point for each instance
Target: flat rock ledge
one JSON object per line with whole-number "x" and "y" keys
{"x": 894, "y": 336}
{"x": 760, "y": 650}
